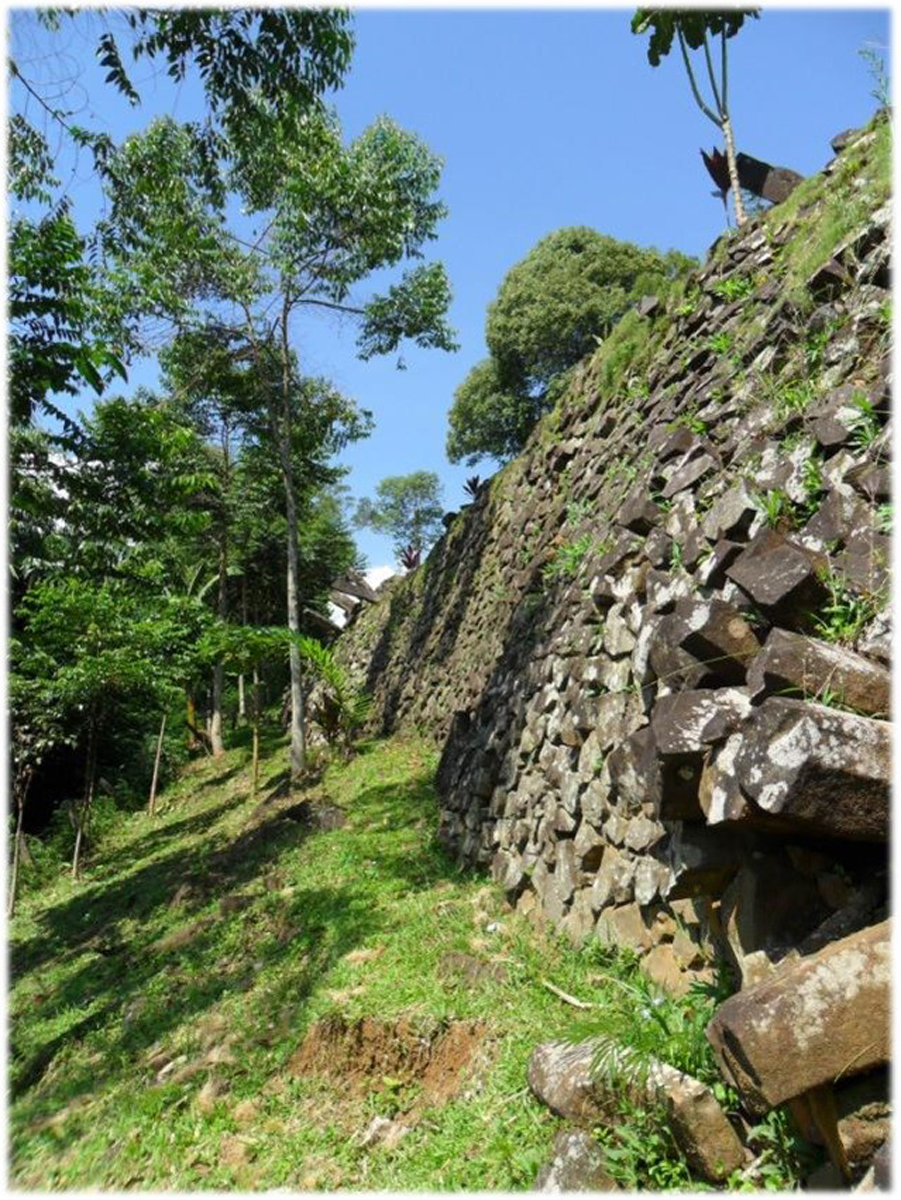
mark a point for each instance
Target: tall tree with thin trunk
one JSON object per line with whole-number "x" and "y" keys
{"x": 326, "y": 215}
{"x": 694, "y": 29}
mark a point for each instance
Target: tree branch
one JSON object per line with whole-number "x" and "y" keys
{"x": 345, "y": 308}
{"x": 712, "y": 77}
{"x": 691, "y": 79}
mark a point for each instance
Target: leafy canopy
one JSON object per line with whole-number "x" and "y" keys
{"x": 408, "y": 507}
{"x": 571, "y": 288}
{"x": 695, "y": 24}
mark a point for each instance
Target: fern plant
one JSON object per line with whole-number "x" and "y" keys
{"x": 338, "y": 708}
{"x": 644, "y": 1024}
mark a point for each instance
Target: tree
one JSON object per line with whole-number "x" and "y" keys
{"x": 331, "y": 214}
{"x": 408, "y": 507}
{"x": 82, "y": 651}
{"x": 694, "y": 29}
{"x": 71, "y": 322}
{"x": 550, "y": 310}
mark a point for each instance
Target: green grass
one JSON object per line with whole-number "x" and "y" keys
{"x": 94, "y": 996}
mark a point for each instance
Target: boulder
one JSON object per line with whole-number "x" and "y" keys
{"x": 560, "y": 1076}
{"x": 718, "y": 636}
{"x": 766, "y": 909}
{"x": 688, "y": 473}
{"x": 863, "y": 1117}
{"x": 823, "y": 1018}
{"x": 781, "y": 577}
{"x": 817, "y": 770}
{"x": 793, "y": 662}
{"x": 701, "y": 860}
{"x": 576, "y": 1165}
{"x": 720, "y": 797}
{"x": 683, "y": 727}
{"x": 774, "y": 184}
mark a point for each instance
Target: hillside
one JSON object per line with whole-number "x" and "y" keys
{"x": 627, "y": 780}
{"x": 306, "y": 993}
{"x": 655, "y": 647}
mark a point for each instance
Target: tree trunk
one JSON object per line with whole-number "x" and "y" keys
{"x": 282, "y": 432}
{"x": 151, "y": 806}
{"x": 242, "y": 696}
{"x": 740, "y": 216}
{"x": 255, "y": 705}
{"x": 81, "y": 820}
{"x": 191, "y": 719}
{"x": 219, "y": 670}
{"x": 20, "y": 790}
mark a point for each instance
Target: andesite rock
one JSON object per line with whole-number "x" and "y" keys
{"x": 560, "y": 1076}
{"x": 826, "y": 1016}
{"x": 576, "y": 1165}
{"x": 780, "y": 576}
{"x": 817, "y": 769}
{"x": 791, "y": 661}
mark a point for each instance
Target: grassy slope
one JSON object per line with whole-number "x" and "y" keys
{"x": 92, "y": 1001}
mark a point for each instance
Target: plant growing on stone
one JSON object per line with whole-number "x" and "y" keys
{"x": 720, "y": 343}
{"x": 865, "y": 428}
{"x": 567, "y": 559}
{"x": 847, "y": 612}
{"x": 642, "y": 1023}
{"x": 734, "y": 288}
{"x": 694, "y": 29}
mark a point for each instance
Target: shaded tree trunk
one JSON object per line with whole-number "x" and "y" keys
{"x": 255, "y": 707}
{"x": 151, "y": 805}
{"x": 81, "y": 820}
{"x": 191, "y": 719}
{"x": 242, "y": 696}
{"x": 20, "y": 790}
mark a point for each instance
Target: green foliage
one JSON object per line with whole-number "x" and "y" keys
{"x": 340, "y": 709}
{"x": 567, "y": 559}
{"x": 720, "y": 343}
{"x": 642, "y": 1023}
{"x": 574, "y": 285}
{"x": 736, "y": 287}
{"x": 488, "y": 418}
{"x": 793, "y": 399}
{"x": 846, "y": 613}
{"x": 783, "y": 1159}
{"x": 693, "y": 24}
{"x": 551, "y": 308}
{"x": 866, "y": 426}
{"x": 641, "y": 1153}
{"x": 884, "y": 518}
{"x": 408, "y": 507}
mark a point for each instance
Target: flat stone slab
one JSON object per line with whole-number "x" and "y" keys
{"x": 817, "y": 769}
{"x": 826, "y": 1018}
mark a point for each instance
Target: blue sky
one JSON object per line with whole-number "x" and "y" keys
{"x": 544, "y": 118}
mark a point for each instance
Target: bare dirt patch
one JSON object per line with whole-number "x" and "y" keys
{"x": 369, "y": 1054}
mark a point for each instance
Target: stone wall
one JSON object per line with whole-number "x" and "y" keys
{"x": 655, "y": 647}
